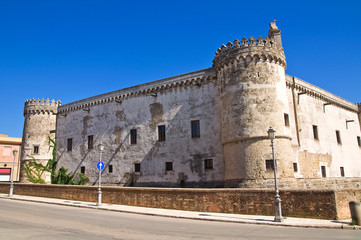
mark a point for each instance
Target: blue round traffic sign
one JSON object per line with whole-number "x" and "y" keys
{"x": 100, "y": 165}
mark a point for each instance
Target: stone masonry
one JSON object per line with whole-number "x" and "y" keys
{"x": 208, "y": 128}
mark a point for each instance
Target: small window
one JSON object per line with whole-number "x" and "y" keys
{"x": 323, "y": 171}
{"x": 359, "y": 141}
{"x": 169, "y": 166}
{"x": 70, "y": 144}
{"x": 269, "y": 165}
{"x": 136, "y": 167}
{"x": 196, "y": 132}
{"x": 295, "y": 167}
{"x": 133, "y": 136}
{"x": 82, "y": 169}
{"x": 208, "y": 163}
{"x": 287, "y": 120}
{"x": 315, "y": 132}
{"x": 161, "y": 133}
{"x": 342, "y": 172}
{"x": 338, "y": 137}
{"x": 90, "y": 141}
{"x": 36, "y": 150}
{"x": 110, "y": 168}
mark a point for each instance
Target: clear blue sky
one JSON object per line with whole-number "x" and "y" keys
{"x": 70, "y": 50}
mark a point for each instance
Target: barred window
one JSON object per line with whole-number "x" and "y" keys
{"x": 208, "y": 163}
{"x": 133, "y": 136}
{"x": 36, "y": 150}
{"x": 323, "y": 171}
{"x": 287, "y": 120}
{"x": 136, "y": 167}
{"x": 196, "y": 131}
{"x": 315, "y": 132}
{"x": 90, "y": 141}
{"x": 161, "y": 133}
{"x": 169, "y": 166}
{"x": 69, "y": 144}
{"x": 269, "y": 165}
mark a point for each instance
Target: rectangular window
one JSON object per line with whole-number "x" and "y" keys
{"x": 323, "y": 171}
{"x": 208, "y": 163}
{"x": 110, "y": 168}
{"x": 287, "y": 120}
{"x": 90, "y": 141}
{"x": 169, "y": 166}
{"x": 82, "y": 169}
{"x": 133, "y": 136}
{"x": 36, "y": 150}
{"x": 196, "y": 131}
{"x": 161, "y": 133}
{"x": 338, "y": 137}
{"x": 315, "y": 132}
{"x": 136, "y": 167}
{"x": 295, "y": 167}
{"x": 269, "y": 165}
{"x": 69, "y": 144}
{"x": 359, "y": 141}
{"x": 342, "y": 172}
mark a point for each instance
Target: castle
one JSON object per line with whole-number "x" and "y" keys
{"x": 207, "y": 128}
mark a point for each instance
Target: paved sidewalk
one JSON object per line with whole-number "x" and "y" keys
{"x": 207, "y": 216}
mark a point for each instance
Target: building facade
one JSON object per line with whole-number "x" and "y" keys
{"x": 208, "y": 128}
{"x": 9, "y": 158}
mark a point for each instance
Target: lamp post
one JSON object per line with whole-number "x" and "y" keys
{"x": 278, "y": 218}
{"x": 99, "y": 199}
{"x": 12, "y": 175}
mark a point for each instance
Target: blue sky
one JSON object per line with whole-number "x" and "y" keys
{"x": 70, "y": 50}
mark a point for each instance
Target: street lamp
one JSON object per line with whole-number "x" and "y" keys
{"x": 278, "y": 218}
{"x": 99, "y": 200}
{"x": 12, "y": 175}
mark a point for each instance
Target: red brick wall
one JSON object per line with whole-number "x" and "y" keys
{"x": 323, "y": 204}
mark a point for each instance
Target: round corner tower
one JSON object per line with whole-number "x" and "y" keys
{"x": 39, "y": 124}
{"x": 252, "y": 89}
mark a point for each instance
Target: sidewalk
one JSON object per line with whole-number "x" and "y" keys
{"x": 207, "y": 216}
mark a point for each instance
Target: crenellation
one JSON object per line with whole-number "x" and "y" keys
{"x": 219, "y": 116}
{"x": 145, "y": 89}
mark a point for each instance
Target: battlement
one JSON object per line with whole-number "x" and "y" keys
{"x": 38, "y": 106}
{"x": 268, "y": 49}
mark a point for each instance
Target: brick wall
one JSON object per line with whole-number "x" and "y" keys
{"x": 323, "y": 204}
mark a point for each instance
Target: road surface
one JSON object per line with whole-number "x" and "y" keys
{"x": 28, "y": 220}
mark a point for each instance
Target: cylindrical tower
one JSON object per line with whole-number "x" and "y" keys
{"x": 252, "y": 88}
{"x": 39, "y": 124}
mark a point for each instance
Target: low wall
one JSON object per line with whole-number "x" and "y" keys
{"x": 322, "y": 204}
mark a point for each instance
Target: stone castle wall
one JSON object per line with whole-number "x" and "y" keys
{"x": 173, "y": 105}
{"x": 236, "y": 101}
{"x": 253, "y": 98}
{"x": 39, "y": 124}
{"x": 311, "y": 106}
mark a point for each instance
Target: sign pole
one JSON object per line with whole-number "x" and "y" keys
{"x": 100, "y": 166}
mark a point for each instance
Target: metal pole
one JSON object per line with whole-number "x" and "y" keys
{"x": 12, "y": 175}
{"x": 278, "y": 217}
{"x": 99, "y": 201}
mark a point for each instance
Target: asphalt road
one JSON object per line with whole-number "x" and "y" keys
{"x": 27, "y": 220}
